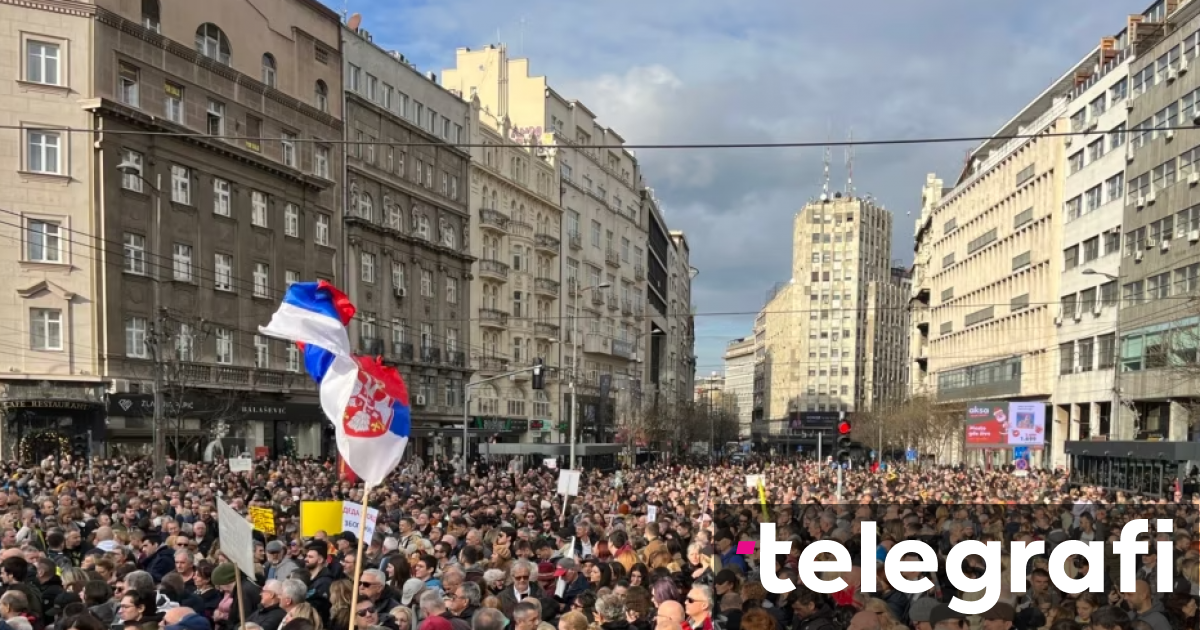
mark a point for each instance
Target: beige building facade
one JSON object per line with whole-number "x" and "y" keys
{"x": 52, "y": 377}
{"x": 918, "y": 349}
{"x": 886, "y": 341}
{"x": 516, "y": 235}
{"x": 739, "y": 380}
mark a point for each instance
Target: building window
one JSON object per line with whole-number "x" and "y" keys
{"x": 224, "y": 346}
{"x": 293, "y": 358}
{"x": 182, "y": 262}
{"x": 290, "y": 277}
{"x": 452, "y": 290}
{"x": 368, "y": 268}
{"x": 212, "y": 43}
{"x": 132, "y": 181}
{"x": 222, "y": 193}
{"x": 398, "y": 275}
{"x": 223, "y": 272}
{"x": 185, "y": 343}
{"x": 45, "y": 329}
{"x": 291, "y": 220}
{"x": 216, "y": 118}
{"x": 262, "y": 280}
{"x": 1106, "y": 351}
{"x": 321, "y": 162}
{"x": 173, "y": 102}
{"x": 262, "y": 352}
{"x": 135, "y": 254}
{"x": 43, "y": 63}
{"x": 128, "y": 82}
{"x": 181, "y": 185}
{"x": 258, "y": 208}
{"x": 321, "y": 96}
{"x": 135, "y": 337}
{"x": 287, "y": 140}
{"x": 268, "y": 69}
{"x": 44, "y": 152}
{"x": 426, "y": 283}
{"x": 150, "y": 15}
{"x": 45, "y": 243}
{"x": 321, "y": 235}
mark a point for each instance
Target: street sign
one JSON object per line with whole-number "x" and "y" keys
{"x": 910, "y": 455}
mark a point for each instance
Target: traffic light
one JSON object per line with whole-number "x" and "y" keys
{"x": 843, "y": 442}
{"x": 539, "y": 375}
{"x": 80, "y": 448}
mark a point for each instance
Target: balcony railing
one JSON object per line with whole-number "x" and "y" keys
{"x": 492, "y": 364}
{"x": 549, "y": 286}
{"x": 575, "y": 240}
{"x": 613, "y": 303}
{"x": 370, "y": 346}
{"x": 639, "y": 272}
{"x": 402, "y": 351}
{"x": 545, "y": 329}
{"x": 493, "y": 219}
{"x": 627, "y": 307}
{"x": 431, "y": 355}
{"x": 612, "y": 258}
{"x": 456, "y": 358}
{"x": 547, "y": 242}
{"x": 202, "y": 374}
{"x": 597, "y": 298}
{"x": 492, "y": 317}
{"x": 494, "y": 268}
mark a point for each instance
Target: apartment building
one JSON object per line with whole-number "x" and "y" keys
{"x": 761, "y": 376}
{"x": 604, "y": 224}
{"x": 1159, "y": 272}
{"x": 918, "y": 305}
{"x": 517, "y": 237}
{"x": 202, "y": 231}
{"x": 1093, "y": 187}
{"x": 886, "y": 341}
{"x": 52, "y": 377}
{"x": 739, "y": 380}
{"x": 406, "y": 220}
{"x": 679, "y": 373}
{"x": 816, "y": 325}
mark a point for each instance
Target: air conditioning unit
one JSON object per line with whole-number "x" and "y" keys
{"x": 1092, "y": 125}
{"x": 1096, "y": 308}
{"x": 419, "y": 400}
{"x": 1058, "y": 320}
{"x": 1141, "y": 202}
{"x": 1129, "y": 104}
{"x": 1166, "y": 245}
{"x": 1151, "y": 244}
{"x": 1130, "y": 153}
{"x": 1196, "y": 118}
{"x": 1172, "y": 74}
{"x": 1194, "y": 236}
{"x": 1170, "y": 134}
{"x": 1183, "y": 66}
{"x": 401, "y": 292}
{"x": 1193, "y": 179}
{"x": 1150, "y": 197}
{"x": 1068, "y": 140}
{"x": 1137, "y": 256}
{"x": 1078, "y": 315}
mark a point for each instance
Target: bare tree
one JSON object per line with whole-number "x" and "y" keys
{"x": 932, "y": 428}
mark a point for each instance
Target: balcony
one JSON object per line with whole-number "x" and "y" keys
{"x": 547, "y": 243}
{"x": 546, "y": 286}
{"x": 431, "y": 355}
{"x": 613, "y": 303}
{"x": 493, "y": 220}
{"x": 402, "y": 351}
{"x": 597, "y": 298}
{"x": 204, "y": 375}
{"x": 639, "y": 272}
{"x": 573, "y": 287}
{"x": 626, "y": 307}
{"x": 492, "y": 364}
{"x": 575, "y": 240}
{"x": 493, "y": 269}
{"x": 545, "y": 330}
{"x": 493, "y": 318}
{"x": 612, "y": 258}
{"x": 370, "y": 346}
{"x": 597, "y": 344}
{"x": 456, "y": 358}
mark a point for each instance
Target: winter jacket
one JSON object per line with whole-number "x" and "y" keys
{"x": 822, "y": 619}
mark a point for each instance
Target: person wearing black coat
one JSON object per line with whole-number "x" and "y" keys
{"x": 157, "y": 559}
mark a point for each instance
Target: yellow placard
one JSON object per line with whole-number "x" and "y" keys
{"x": 320, "y": 516}
{"x": 263, "y": 519}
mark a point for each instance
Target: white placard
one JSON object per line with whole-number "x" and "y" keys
{"x": 241, "y": 464}
{"x": 351, "y": 512}
{"x": 651, "y": 513}
{"x": 550, "y": 463}
{"x": 237, "y": 538}
{"x": 568, "y": 483}
{"x": 752, "y": 481}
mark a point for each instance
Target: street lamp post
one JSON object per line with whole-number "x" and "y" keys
{"x": 1116, "y": 402}
{"x": 127, "y": 167}
{"x": 575, "y": 362}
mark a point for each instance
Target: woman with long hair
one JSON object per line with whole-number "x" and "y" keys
{"x": 340, "y": 592}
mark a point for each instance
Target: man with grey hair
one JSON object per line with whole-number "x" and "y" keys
{"x": 610, "y": 608}
{"x": 522, "y": 587}
{"x": 434, "y": 605}
{"x": 488, "y": 619}
{"x": 372, "y": 586}
{"x": 293, "y": 593}
{"x": 464, "y": 601}
{"x": 270, "y": 613}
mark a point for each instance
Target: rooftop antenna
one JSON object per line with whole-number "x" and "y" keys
{"x": 850, "y": 165}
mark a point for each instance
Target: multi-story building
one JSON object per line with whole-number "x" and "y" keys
{"x": 678, "y": 373}
{"x": 215, "y": 185}
{"x": 1093, "y": 187}
{"x": 739, "y": 380}
{"x": 406, "y": 219}
{"x": 918, "y": 305}
{"x": 761, "y": 377}
{"x": 1159, "y": 273}
{"x": 516, "y": 233}
{"x": 605, "y": 225}
{"x": 52, "y": 376}
{"x": 816, "y": 325}
{"x": 886, "y": 341}
{"x": 710, "y": 391}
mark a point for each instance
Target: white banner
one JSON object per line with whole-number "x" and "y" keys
{"x": 351, "y": 513}
{"x": 237, "y": 538}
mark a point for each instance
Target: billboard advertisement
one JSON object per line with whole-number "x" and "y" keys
{"x": 804, "y": 420}
{"x": 1003, "y": 424}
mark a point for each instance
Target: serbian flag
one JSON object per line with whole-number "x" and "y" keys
{"x": 366, "y": 401}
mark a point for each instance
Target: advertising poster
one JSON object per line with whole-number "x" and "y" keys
{"x": 1004, "y": 424}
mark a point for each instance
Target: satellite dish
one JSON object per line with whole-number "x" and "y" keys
{"x": 354, "y": 21}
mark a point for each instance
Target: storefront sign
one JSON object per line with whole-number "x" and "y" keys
{"x": 500, "y": 425}
{"x": 68, "y": 405}
{"x": 126, "y": 405}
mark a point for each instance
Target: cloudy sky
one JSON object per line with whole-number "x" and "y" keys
{"x": 719, "y": 71}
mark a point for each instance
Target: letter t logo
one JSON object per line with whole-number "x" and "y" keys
{"x": 766, "y": 569}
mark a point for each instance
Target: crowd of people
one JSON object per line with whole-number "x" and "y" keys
{"x": 85, "y": 546}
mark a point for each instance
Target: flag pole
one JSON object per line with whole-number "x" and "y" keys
{"x": 358, "y": 556}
